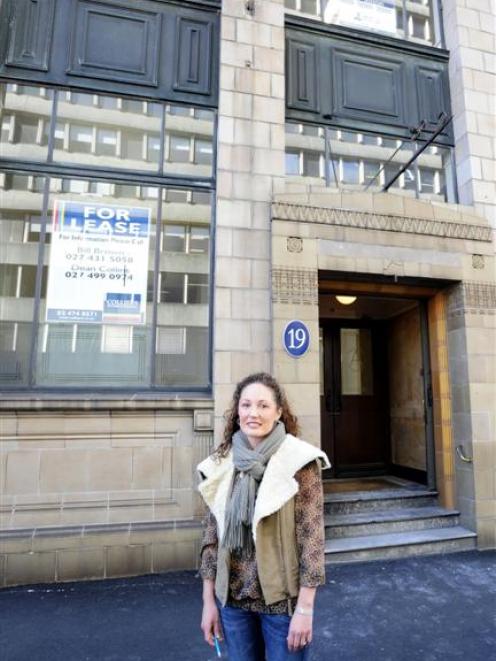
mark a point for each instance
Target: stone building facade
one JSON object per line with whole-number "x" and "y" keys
{"x": 268, "y": 176}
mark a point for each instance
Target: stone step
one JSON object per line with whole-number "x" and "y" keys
{"x": 399, "y": 544}
{"x": 359, "y": 501}
{"x": 401, "y": 519}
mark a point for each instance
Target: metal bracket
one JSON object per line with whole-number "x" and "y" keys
{"x": 445, "y": 120}
{"x": 461, "y": 453}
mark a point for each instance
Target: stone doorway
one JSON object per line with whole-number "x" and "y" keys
{"x": 375, "y": 384}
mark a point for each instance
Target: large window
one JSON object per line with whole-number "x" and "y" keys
{"x": 415, "y": 20}
{"x": 89, "y": 297}
{"x": 350, "y": 160}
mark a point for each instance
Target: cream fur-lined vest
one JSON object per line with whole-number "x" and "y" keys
{"x": 273, "y": 520}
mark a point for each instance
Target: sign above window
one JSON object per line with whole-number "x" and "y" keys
{"x": 376, "y": 15}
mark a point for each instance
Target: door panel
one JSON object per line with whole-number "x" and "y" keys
{"x": 354, "y": 398}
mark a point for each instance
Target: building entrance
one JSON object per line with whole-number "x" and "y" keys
{"x": 376, "y": 396}
{"x": 355, "y": 399}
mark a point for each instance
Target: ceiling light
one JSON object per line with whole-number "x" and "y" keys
{"x": 346, "y": 300}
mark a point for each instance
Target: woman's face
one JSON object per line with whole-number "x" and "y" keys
{"x": 258, "y": 412}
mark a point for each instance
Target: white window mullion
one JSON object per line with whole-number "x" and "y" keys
{"x": 185, "y": 288}
{"x": 44, "y": 343}
{"x": 18, "y": 282}
{"x": 74, "y": 338}
{"x": 14, "y": 336}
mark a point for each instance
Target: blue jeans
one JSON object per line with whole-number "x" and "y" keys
{"x": 257, "y": 636}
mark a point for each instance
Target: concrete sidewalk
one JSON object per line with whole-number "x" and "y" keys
{"x": 436, "y": 608}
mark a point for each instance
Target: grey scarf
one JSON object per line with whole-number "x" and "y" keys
{"x": 251, "y": 465}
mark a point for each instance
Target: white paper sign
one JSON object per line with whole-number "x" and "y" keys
{"x": 98, "y": 263}
{"x": 377, "y": 15}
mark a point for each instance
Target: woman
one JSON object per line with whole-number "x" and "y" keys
{"x": 262, "y": 554}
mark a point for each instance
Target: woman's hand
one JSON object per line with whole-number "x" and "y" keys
{"x": 210, "y": 622}
{"x": 300, "y": 632}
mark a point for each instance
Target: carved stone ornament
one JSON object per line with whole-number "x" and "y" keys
{"x": 478, "y": 261}
{"x": 295, "y": 286}
{"x": 295, "y": 244}
{"x": 375, "y": 221}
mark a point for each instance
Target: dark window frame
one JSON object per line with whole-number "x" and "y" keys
{"x": 117, "y": 176}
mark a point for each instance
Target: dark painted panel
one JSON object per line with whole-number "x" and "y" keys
{"x": 364, "y": 85}
{"x": 301, "y": 81}
{"x": 115, "y": 43}
{"x": 30, "y": 34}
{"x": 193, "y": 56}
{"x": 125, "y": 47}
{"x": 370, "y": 88}
{"x": 431, "y": 94}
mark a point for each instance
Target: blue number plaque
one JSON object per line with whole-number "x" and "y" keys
{"x": 296, "y": 338}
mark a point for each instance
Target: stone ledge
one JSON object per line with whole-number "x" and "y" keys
{"x": 35, "y": 401}
{"x": 64, "y": 553}
{"x": 370, "y": 220}
{"x": 96, "y": 528}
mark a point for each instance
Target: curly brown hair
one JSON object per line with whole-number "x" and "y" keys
{"x": 231, "y": 415}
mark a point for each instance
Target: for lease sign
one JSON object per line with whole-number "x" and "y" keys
{"x": 98, "y": 265}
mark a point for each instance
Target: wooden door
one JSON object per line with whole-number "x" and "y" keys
{"x": 354, "y": 398}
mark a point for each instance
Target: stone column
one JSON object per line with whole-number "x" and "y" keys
{"x": 469, "y": 29}
{"x": 471, "y": 332}
{"x": 250, "y": 168}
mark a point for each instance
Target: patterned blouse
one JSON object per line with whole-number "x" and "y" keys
{"x": 244, "y": 586}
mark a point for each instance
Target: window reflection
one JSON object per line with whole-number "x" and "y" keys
{"x": 360, "y": 160}
{"x": 25, "y": 122}
{"x": 20, "y": 227}
{"x": 188, "y": 146}
{"x": 109, "y": 133}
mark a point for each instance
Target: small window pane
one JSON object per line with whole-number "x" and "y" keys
{"x": 203, "y": 152}
{"x": 199, "y": 240}
{"x": 189, "y": 141}
{"x": 24, "y": 122}
{"x": 106, "y": 142}
{"x": 197, "y": 288}
{"x": 132, "y": 106}
{"x": 118, "y": 132}
{"x": 185, "y": 361}
{"x": 200, "y": 198}
{"x": 153, "y": 148}
{"x": 311, "y": 164}
{"x": 208, "y": 115}
{"x": 179, "y": 149}
{"x": 174, "y": 238}
{"x": 20, "y": 225}
{"x": 81, "y": 99}
{"x": 101, "y": 188}
{"x": 179, "y": 111}
{"x": 292, "y": 163}
{"x": 172, "y": 287}
{"x": 177, "y": 196}
{"x": 409, "y": 179}
{"x": 350, "y": 172}
{"x": 132, "y": 145}
{"x": 108, "y": 102}
{"x": 80, "y": 139}
{"x": 370, "y": 173}
{"x": 427, "y": 181}
{"x": 356, "y": 361}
